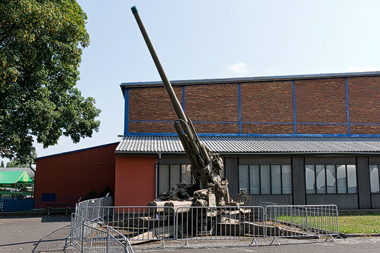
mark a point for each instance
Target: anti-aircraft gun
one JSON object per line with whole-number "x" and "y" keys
{"x": 210, "y": 189}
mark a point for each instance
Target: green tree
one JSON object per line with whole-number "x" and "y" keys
{"x": 2, "y": 164}
{"x": 16, "y": 164}
{"x": 41, "y": 43}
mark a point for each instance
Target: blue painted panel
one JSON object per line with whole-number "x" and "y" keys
{"x": 16, "y": 205}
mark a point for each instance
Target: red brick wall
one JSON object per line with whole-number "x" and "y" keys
{"x": 364, "y": 104}
{"x": 212, "y": 103}
{"x": 267, "y": 102}
{"x": 152, "y": 104}
{"x": 321, "y": 101}
{"x": 267, "y": 129}
{"x": 321, "y": 107}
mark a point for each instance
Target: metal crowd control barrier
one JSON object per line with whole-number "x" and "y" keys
{"x": 301, "y": 221}
{"x": 89, "y": 236}
{"x": 96, "y": 202}
{"x": 149, "y": 223}
{"x": 138, "y": 223}
{"x": 220, "y": 223}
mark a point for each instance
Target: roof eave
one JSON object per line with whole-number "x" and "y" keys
{"x": 250, "y": 79}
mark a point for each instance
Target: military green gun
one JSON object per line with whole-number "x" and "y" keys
{"x": 211, "y": 189}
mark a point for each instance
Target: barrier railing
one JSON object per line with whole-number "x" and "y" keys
{"x": 148, "y": 223}
{"x": 138, "y": 223}
{"x": 90, "y": 236}
{"x": 96, "y": 202}
{"x": 219, "y": 223}
{"x": 301, "y": 221}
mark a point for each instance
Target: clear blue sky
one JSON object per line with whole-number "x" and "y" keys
{"x": 217, "y": 39}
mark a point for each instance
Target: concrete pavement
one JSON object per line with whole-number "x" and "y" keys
{"x": 48, "y": 234}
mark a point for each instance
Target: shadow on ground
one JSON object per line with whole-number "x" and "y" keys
{"x": 54, "y": 242}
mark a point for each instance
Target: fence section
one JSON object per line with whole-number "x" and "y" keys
{"x": 144, "y": 223}
{"x": 93, "y": 212}
{"x": 213, "y": 223}
{"x": 301, "y": 221}
{"x": 90, "y": 236}
{"x": 116, "y": 225}
{"x": 15, "y": 205}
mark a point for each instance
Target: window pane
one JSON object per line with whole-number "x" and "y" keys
{"x": 186, "y": 174}
{"x": 163, "y": 175}
{"x": 243, "y": 177}
{"x": 174, "y": 175}
{"x": 265, "y": 179}
{"x": 331, "y": 178}
{"x": 255, "y": 179}
{"x": 321, "y": 178}
{"x": 286, "y": 179}
{"x": 310, "y": 179}
{"x": 374, "y": 177}
{"x": 341, "y": 176}
{"x": 276, "y": 179}
{"x": 351, "y": 179}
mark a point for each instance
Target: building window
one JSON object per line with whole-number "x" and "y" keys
{"x": 266, "y": 179}
{"x": 48, "y": 197}
{"x": 170, "y": 175}
{"x": 330, "y": 179}
{"x": 374, "y": 178}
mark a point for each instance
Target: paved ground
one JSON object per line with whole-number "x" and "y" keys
{"x": 48, "y": 233}
{"x": 34, "y": 234}
{"x": 291, "y": 246}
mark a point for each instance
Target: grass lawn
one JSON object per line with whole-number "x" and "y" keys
{"x": 359, "y": 223}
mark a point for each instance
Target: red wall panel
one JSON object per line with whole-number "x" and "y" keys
{"x": 75, "y": 174}
{"x": 134, "y": 180}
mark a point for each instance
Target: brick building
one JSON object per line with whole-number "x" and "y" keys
{"x": 308, "y": 139}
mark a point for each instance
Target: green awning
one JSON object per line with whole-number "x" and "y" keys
{"x": 14, "y": 178}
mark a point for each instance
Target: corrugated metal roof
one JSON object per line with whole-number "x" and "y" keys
{"x": 235, "y": 145}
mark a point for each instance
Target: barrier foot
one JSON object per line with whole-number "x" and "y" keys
{"x": 254, "y": 240}
{"x": 163, "y": 244}
{"x": 187, "y": 244}
{"x": 340, "y": 237}
{"x": 67, "y": 242}
{"x": 276, "y": 241}
{"x": 332, "y": 238}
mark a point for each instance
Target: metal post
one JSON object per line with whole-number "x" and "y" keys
{"x": 108, "y": 239}
{"x": 307, "y": 224}
{"x": 82, "y": 236}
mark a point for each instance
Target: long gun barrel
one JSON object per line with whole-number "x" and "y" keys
{"x": 205, "y": 167}
{"x": 176, "y": 105}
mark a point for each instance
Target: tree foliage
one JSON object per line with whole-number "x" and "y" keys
{"x": 41, "y": 43}
{"x": 16, "y": 164}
